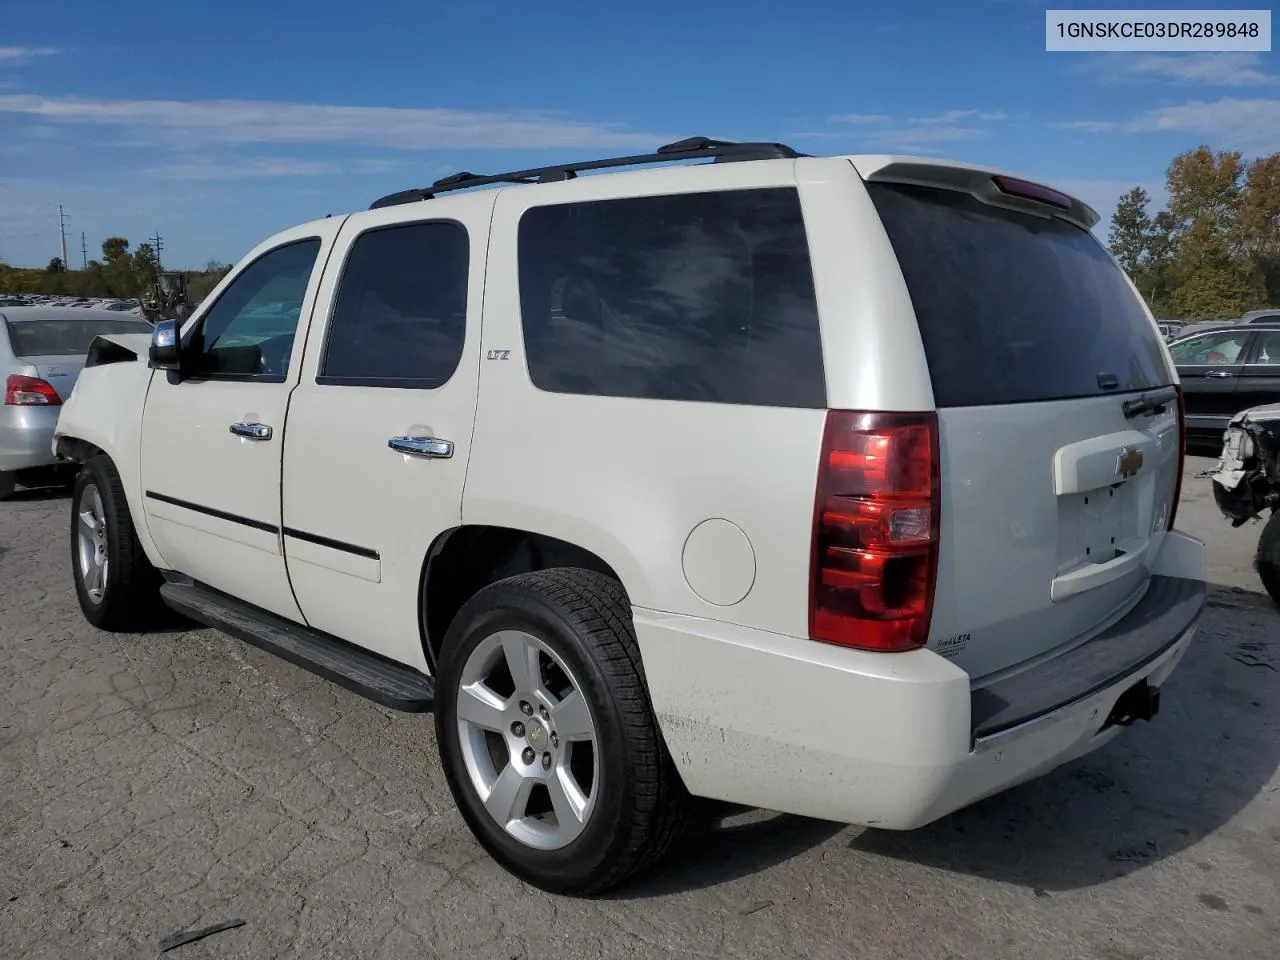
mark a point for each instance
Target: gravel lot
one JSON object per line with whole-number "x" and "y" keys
{"x": 150, "y": 784}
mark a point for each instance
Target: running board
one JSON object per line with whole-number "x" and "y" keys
{"x": 383, "y": 681}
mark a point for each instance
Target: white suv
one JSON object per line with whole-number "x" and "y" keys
{"x": 839, "y": 486}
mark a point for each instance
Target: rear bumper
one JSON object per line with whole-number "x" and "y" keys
{"x": 26, "y": 437}
{"x": 891, "y": 740}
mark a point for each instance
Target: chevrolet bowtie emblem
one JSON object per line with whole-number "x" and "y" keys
{"x": 1129, "y": 462}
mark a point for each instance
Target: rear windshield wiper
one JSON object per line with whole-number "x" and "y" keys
{"x": 1153, "y": 402}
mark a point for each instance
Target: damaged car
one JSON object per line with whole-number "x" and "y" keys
{"x": 1246, "y": 482}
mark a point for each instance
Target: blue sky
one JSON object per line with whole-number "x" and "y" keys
{"x": 261, "y": 115}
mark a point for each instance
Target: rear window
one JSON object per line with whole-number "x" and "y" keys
{"x": 65, "y": 338}
{"x": 1014, "y": 308}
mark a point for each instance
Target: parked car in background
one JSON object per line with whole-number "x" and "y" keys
{"x": 1224, "y": 371}
{"x": 42, "y": 350}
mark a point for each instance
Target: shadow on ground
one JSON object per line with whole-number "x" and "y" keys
{"x": 39, "y": 494}
{"x": 1155, "y": 791}
{"x": 720, "y": 846}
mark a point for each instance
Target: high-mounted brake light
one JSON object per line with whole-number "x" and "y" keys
{"x": 1182, "y": 455}
{"x": 875, "y": 530}
{"x": 1013, "y": 187}
{"x": 20, "y": 391}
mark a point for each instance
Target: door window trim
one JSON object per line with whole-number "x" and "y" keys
{"x": 198, "y": 323}
{"x": 400, "y": 383}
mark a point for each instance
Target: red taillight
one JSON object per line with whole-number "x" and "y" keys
{"x": 1182, "y": 456}
{"x": 875, "y": 530}
{"x": 20, "y": 391}
{"x": 1013, "y": 187}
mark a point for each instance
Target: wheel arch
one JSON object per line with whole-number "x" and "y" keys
{"x": 468, "y": 558}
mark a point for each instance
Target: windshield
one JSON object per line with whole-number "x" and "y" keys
{"x": 65, "y": 338}
{"x": 1015, "y": 308}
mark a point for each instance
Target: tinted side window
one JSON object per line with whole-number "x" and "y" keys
{"x": 400, "y": 317}
{"x": 249, "y": 332}
{"x": 1224, "y": 347}
{"x": 705, "y": 296}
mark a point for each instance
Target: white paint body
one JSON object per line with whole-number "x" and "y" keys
{"x": 704, "y": 511}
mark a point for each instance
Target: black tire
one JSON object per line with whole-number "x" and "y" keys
{"x": 585, "y": 618}
{"x": 8, "y": 482}
{"x": 1267, "y": 560}
{"x": 130, "y": 599}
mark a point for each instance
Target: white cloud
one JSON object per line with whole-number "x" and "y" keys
{"x": 954, "y": 116}
{"x": 265, "y": 121}
{"x": 1252, "y": 126}
{"x": 918, "y": 134}
{"x": 12, "y": 54}
{"x": 1203, "y": 69}
{"x": 267, "y": 167}
{"x": 858, "y": 118}
{"x": 1087, "y": 126}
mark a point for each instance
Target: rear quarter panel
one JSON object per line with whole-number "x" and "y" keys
{"x": 631, "y": 479}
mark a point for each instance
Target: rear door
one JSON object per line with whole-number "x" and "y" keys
{"x": 1259, "y": 380}
{"x": 1210, "y": 366}
{"x": 1054, "y": 501}
{"x": 379, "y": 428}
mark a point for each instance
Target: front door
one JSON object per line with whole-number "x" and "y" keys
{"x": 1209, "y": 367}
{"x": 379, "y": 428}
{"x": 212, "y": 437}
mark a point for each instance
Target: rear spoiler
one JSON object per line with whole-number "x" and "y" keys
{"x": 994, "y": 187}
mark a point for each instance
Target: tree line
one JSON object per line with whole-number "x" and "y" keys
{"x": 121, "y": 273}
{"x": 1213, "y": 253}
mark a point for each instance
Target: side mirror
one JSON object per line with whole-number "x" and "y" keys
{"x": 164, "y": 352}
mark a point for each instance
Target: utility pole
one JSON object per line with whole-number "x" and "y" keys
{"x": 62, "y": 233}
{"x": 157, "y": 244}
{"x": 84, "y": 253}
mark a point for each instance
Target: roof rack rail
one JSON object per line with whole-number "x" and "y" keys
{"x": 690, "y": 148}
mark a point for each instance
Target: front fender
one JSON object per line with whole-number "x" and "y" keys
{"x": 105, "y": 410}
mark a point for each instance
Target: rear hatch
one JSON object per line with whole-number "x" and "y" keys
{"x": 1055, "y": 497}
{"x": 54, "y": 348}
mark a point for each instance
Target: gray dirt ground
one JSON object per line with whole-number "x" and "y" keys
{"x": 150, "y": 784}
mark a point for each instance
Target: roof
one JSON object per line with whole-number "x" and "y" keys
{"x": 25, "y": 314}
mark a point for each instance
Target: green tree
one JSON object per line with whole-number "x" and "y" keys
{"x": 1130, "y": 235}
{"x": 56, "y": 266}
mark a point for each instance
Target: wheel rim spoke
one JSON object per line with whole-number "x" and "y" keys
{"x": 509, "y": 798}
{"x": 568, "y": 802}
{"x": 479, "y": 705}
{"x": 88, "y": 524}
{"x": 572, "y": 718}
{"x": 522, "y": 661}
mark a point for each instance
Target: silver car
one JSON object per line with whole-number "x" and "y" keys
{"x": 42, "y": 351}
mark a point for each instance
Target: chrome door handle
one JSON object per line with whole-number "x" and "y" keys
{"x": 1219, "y": 373}
{"x": 428, "y": 447}
{"x": 251, "y": 431}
